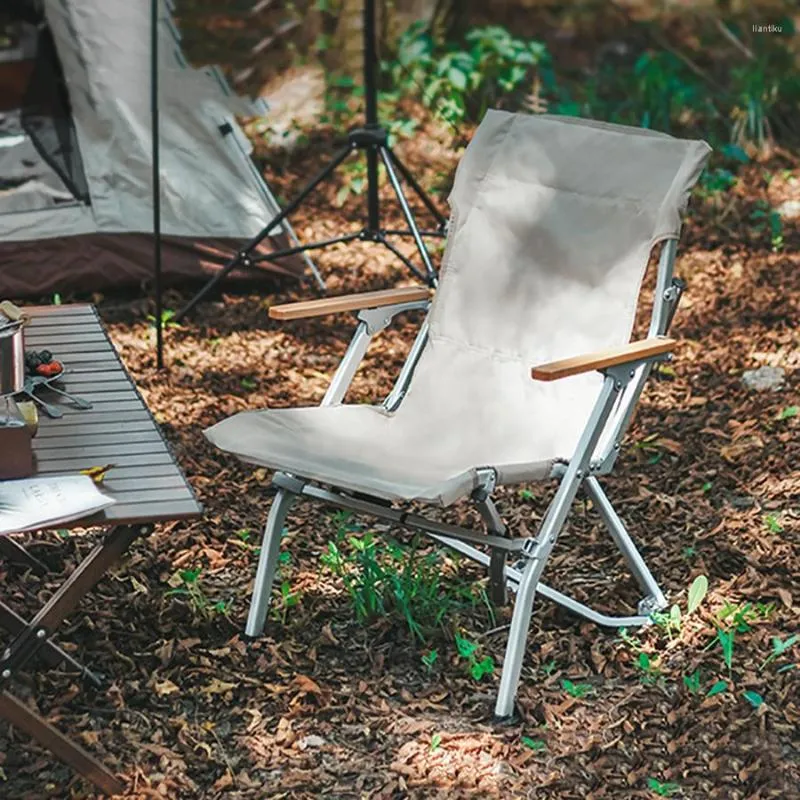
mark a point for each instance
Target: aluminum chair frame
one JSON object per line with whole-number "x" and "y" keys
{"x": 613, "y": 410}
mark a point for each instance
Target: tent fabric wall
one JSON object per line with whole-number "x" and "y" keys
{"x": 209, "y": 188}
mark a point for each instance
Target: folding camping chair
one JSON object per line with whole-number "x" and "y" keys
{"x": 553, "y": 221}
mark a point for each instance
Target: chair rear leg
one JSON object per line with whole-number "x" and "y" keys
{"x": 654, "y": 599}
{"x": 268, "y": 563}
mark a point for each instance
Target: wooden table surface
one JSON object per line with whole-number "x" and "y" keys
{"x": 146, "y": 481}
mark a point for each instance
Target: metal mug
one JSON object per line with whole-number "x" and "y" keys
{"x": 12, "y": 356}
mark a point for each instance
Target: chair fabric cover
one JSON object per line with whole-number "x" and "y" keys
{"x": 553, "y": 220}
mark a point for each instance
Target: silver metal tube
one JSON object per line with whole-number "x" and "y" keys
{"x": 616, "y": 528}
{"x": 412, "y": 520}
{"x": 630, "y": 397}
{"x": 661, "y": 305}
{"x": 268, "y": 563}
{"x": 514, "y": 576}
{"x": 343, "y": 376}
{"x": 395, "y": 397}
{"x": 546, "y": 538}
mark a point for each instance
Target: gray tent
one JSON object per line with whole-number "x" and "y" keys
{"x": 76, "y": 153}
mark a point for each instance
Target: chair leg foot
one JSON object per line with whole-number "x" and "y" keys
{"x": 652, "y": 603}
{"x": 517, "y": 639}
{"x": 268, "y": 563}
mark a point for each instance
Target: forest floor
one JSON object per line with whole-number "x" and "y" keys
{"x": 325, "y": 705}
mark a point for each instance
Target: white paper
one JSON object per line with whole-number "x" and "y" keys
{"x": 34, "y": 503}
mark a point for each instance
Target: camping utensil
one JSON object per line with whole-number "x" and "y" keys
{"x": 12, "y": 354}
{"x": 47, "y": 382}
{"x": 54, "y": 412}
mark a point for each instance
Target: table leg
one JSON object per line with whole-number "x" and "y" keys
{"x": 27, "y": 720}
{"x": 15, "y": 552}
{"x": 68, "y": 595}
{"x": 51, "y": 652}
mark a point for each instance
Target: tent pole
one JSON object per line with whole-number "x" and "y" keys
{"x": 156, "y": 180}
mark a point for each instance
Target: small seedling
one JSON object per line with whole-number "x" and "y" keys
{"x": 576, "y": 689}
{"x": 167, "y": 319}
{"x": 436, "y": 741}
{"x": 289, "y": 599}
{"x": 754, "y": 698}
{"x": 671, "y": 622}
{"x": 662, "y": 789}
{"x": 788, "y": 412}
{"x": 533, "y": 744}
{"x": 469, "y": 651}
{"x": 526, "y": 494}
{"x": 548, "y": 667}
{"x": 248, "y": 383}
{"x": 726, "y": 642}
{"x": 186, "y": 583}
{"x": 772, "y": 523}
{"x": 697, "y": 592}
{"x": 707, "y": 487}
{"x": 649, "y": 667}
{"x": 692, "y": 681}
{"x": 717, "y": 688}
{"x": 429, "y": 659}
{"x": 779, "y": 647}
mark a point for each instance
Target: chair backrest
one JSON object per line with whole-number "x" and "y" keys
{"x": 553, "y": 222}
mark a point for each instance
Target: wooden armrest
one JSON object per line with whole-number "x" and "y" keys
{"x": 635, "y": 351}
{"x": 349, "y": 302}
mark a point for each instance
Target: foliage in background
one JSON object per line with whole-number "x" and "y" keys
{"x": 745, "y": 96}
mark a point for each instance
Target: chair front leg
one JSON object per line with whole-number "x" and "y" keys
{"x": 268, "y": 562}
{"x": 545, "y": 540}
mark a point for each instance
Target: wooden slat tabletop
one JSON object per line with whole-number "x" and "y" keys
{"x": 145, "y": 480}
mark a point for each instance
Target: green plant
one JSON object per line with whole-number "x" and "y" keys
{"x": 697, "y": 593}
{"x": 186, "y": 583}
{"x": 287, "y": 598}
{"x": 651, "y": 672}
{"x": 743, "y": 617}
{"x": 469, "y": 650}
{"x": 754, "y": 698}
{"x": 460, "y": 80}
{"x": 662, "y": 789}
{"x": 429, "y": 659}
{"x": 533, "y": 744}
{"x": 788, "y": 412}
{"x": 669, "y": 622}
{"x": 766, "y": 218}
{"x": 725, "y": 639}
{"x": 717, "y": 688}
{"x": 392, "y": 579}
{"x": 692, "y": 681}
{"x": 779, "y": 647}
{"x": 576, "y": 689}
{"x": 167, "y": 319}
{"x": 772, "y": 523}
{"x": 436, "y": 741}
{"x": 355, "y": 175}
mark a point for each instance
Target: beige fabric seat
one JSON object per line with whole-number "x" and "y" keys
{"x": 553, "y": 222}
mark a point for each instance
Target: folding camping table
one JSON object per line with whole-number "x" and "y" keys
{"x": 146, "y": 481}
